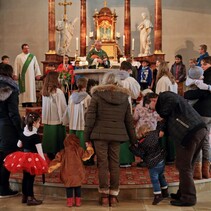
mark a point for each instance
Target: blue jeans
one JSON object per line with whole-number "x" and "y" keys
{"x": 157, "y": 177}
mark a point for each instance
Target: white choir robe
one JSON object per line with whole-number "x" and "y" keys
{"x": 33, "y": 70}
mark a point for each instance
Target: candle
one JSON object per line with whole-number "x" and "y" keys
{"x": 76, "y": 43}
{"x": 123, "y": 41}
{"x": 133, "y": 42}
{"x": 86, "y": 40}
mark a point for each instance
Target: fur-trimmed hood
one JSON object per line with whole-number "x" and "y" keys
{"x": 5, "y": 92}
{"x": 7, "y": 85}
{"x": 111, "y": 93}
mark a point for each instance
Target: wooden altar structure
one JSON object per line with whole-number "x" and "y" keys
{"x": 52, "y": 59}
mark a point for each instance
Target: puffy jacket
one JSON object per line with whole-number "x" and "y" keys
{"x": 182, "y": 120}
{"x": 109, "y": 115}
{"x": 10, "y": 124}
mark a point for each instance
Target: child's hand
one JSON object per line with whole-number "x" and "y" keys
{"x": 161, "y": 134}
{"x": 88, "y": 144}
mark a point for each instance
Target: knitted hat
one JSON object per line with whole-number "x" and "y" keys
{"x": 195, "y": 72}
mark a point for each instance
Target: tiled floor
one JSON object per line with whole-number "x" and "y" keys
{"x": 10, "y": 204}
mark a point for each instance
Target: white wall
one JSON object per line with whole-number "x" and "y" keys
{"x": 186, "y": 24}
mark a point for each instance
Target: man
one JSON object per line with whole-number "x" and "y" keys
{"x": 202, "y": 106}
{"x": 5, "y": 59}
{"x": 203, "y": 53}
{"x": 26, "y": 70}
{"x": 188, "y": 132}
{"x": 98, "y": 58}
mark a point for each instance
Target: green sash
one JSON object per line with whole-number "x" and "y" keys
{"x": 21, "y": 78}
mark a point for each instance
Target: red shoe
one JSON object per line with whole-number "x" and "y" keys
{"x": 69, "y": 202}
{"x": 77, "y": 201}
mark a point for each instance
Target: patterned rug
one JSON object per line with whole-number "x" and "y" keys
{"x": 128, "y": 176}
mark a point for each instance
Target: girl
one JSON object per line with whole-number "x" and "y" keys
{"x": 153, "y": 155}
{"x": 77, "y": 106}
{"x": 72, "y": 170}
{"x": 31, "y": 161}
{"x": 53, "y": 115}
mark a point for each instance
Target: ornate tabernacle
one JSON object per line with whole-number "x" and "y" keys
{"x": 105, "y": 30}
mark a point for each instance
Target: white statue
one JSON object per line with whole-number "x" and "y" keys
{"x": 145, "y": 28}
{"x": 65, "y": 29}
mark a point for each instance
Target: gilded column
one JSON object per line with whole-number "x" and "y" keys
{"x": 51, "y": 27}
{"x": 158, "y": 27}
{"x": 83, "y": 28}
{"x": 127, "y": 28}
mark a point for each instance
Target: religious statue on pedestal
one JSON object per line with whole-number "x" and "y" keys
{"x": 65, "y": 29}
{"x": 145, "y": 28}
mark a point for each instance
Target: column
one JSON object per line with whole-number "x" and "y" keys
{"x": 51, "y": 27}
{"x": 127, "y": 28}
{"x": 83, "y": 28}
{"x": 158, "y": 27}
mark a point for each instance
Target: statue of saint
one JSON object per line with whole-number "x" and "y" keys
{"x": 145, "y": 28}
{"x": 65, "y": 29}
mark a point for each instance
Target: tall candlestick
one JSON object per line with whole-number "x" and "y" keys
{"x": 123, "y": 44}
{"x": 86, "y": 40}
{"x": 133, "y": 44}
{"x": 76, "y": 43}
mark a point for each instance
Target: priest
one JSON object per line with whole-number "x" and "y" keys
{"x": 98, "y": 58}
{"x": 26, "y": 70}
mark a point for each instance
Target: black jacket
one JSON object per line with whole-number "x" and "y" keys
{"x": 203, "y": 105}
{"x": 10, "y": 123}
{"x": 181, "y": 119}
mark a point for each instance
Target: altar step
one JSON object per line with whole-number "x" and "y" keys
{"x": 134, "y": 183}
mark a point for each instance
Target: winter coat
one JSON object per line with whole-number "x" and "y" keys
{"x": 109, "y": 115}
{"x": 10, "y": 123}
{"x": 182, "y": 120}
{"x": 203, "y": 105}
{"x": 72, "y": 172}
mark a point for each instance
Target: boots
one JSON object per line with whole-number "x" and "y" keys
{"x": 77, "y": 201}
{"x": 206, "y": 169}
{"x": 157, "y": 199}
{"x": 113, "y": 201}
{"x": 31, "y": 201}
{"x": 104, "y": 200}
{"x": 197, "y": 172}
{"x": 70, "y": 202}
{"x": 165, "y": 193}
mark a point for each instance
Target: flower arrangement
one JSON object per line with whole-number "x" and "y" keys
{"x": 66, "y": 75}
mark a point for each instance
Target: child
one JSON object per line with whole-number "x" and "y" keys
{"x": 145, "y": 75}
{"x": 53, "y": 115}
{"x": 77, "y": 106}
{"x": 154, "y": 156}
{"x": 72, "y": 170}
{"x": 194, "y": 73}
{"x": 178, "y": 70}
{"x": 31, "y": 161}
{"x": 128, "y": 82}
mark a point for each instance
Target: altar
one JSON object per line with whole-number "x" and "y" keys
{"x": 95, "y": 74}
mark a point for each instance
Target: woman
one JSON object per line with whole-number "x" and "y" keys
{"x": 165, "y": 80}
{"x": 10, "y": 124}
{"x": 108, "y": 123}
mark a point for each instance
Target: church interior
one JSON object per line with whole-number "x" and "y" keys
{"x": 178, "y": 27}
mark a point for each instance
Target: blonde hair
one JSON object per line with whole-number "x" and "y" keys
{"x": 164, "y": 70}
{"x": 111, "y": 78}
{"x": 143, "y": 130}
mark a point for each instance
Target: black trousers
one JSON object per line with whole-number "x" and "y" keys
{"x": 27, "y": 184}
{"x": 185, "y": 158}
{"x": 70, "y": 191}
{"x": 4, "y": 173}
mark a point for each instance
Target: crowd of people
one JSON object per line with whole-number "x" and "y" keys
{"x": 161, "y": 115}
